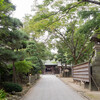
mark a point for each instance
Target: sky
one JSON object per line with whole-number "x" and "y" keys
{"x": 24, "y": 7}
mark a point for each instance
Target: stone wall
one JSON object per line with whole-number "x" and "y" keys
{"x": 95, "y": 69}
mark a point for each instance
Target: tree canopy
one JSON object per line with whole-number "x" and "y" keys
{"x": 69, "y": 25}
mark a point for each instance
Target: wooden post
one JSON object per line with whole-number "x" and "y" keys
{"x": 29, "y": 78}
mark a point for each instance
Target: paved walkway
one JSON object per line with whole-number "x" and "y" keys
{"x": 50, "y": 87}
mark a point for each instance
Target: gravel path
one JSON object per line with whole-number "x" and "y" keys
{"x": 50, "y": 87}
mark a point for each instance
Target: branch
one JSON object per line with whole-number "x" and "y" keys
{"x": 83, "y": 48}
{"x": 74, "y": 6}
{"x": 67, "y": 11}
{"x": 66, "y": 42}
{"x": 90, "y": 1}
{"x": 82, "y": 54}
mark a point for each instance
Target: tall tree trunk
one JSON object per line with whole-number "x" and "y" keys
{"x": 14, "y": 72}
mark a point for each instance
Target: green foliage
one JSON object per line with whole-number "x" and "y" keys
{"x": 12, "y": 40}
{"x": 22, "y": 67}
{"x": 85, "y": 14}
{"x": 4, "y": 72}
{"x": 73, "y": 47}
{"x": 9, "y": 87}
{"x": 61, "y": 56}
{"x": 10, "y": 55}
{"x": 35, "y": 54}
{"x": 6, "y": 7}
{"x": 47, "y": 2}
{"x": 73, "y": 43}
{"x": 2, "y": 95}
{"x": 40, "y": 72}
{"x": 98, "y": 36}
{"x": 3, "y": 68}
{"x": 92, "y": 23}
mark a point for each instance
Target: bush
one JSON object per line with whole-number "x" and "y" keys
{"x": 22, "y": 67}
{"x": 9, "y": 87}
{"x": 2, "y": 95}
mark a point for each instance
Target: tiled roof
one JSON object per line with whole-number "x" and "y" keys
{"x": 50, "y": 62}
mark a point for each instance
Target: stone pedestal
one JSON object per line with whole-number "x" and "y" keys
{"x": 95, "y": 70}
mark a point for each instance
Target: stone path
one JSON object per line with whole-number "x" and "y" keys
{"x": 50, "y": 87}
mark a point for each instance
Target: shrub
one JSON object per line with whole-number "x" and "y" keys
{"x": 22, "y": 67}
{"x": 9, "y": 87}
{"x": 2, "y": 95}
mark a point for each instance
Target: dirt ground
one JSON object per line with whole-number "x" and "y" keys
{"x": 91, "y": 95}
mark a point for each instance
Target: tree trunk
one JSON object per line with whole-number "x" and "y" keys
{"x": 75, "y": 62}
{"x": 14, "y": 73}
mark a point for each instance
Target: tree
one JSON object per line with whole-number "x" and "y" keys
{"x": 12, "y": 50}
{"x": 64, "y": 16}
{"x": 78, "y": 45}
{"x": 6, "y": 8}
{"x": 34, "y": 56}
{"x": 12, "y": 40}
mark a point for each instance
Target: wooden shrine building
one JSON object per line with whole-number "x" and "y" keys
{"x": 51, "y": 67}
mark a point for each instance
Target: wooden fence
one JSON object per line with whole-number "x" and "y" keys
{"x": 81, "y": 72}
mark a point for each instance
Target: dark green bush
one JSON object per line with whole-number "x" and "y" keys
{"x": 9, "y": 87}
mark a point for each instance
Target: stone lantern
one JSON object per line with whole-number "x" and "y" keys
{"x": 96, "y": 62}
